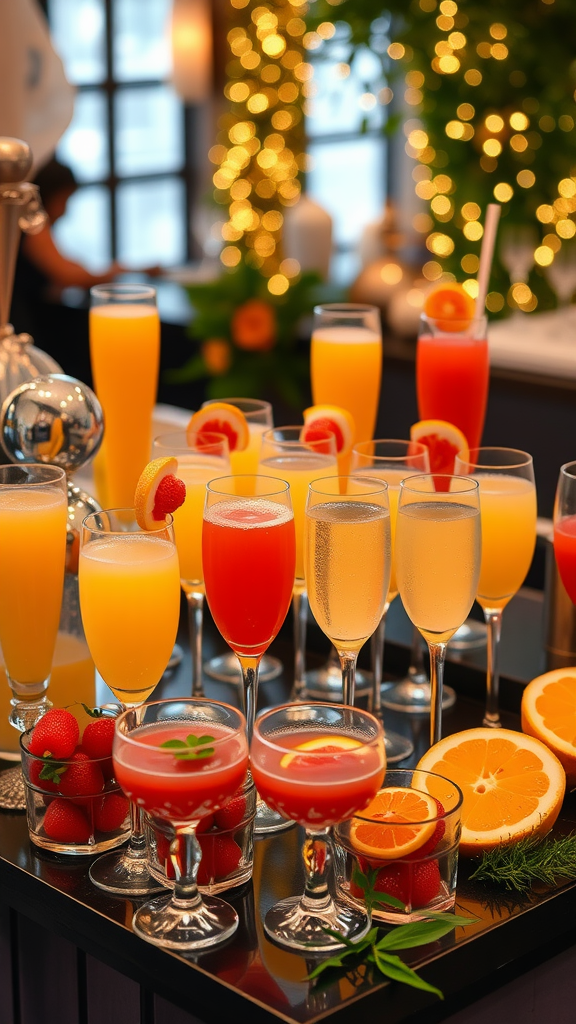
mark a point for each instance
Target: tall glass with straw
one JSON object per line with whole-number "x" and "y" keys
{"x": 197, "y": 464}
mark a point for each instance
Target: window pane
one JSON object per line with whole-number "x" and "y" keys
{"x": 84, "y": 145}
{"x": 83, "y": 233}
{"x": 151, "y": 222}
{"x": 341, "y": 104}
{"x": 149, "y": 130}
{"x": 141, "y": 42}
{"x": 78, "y": 32}
{"x": 355, "y": 195}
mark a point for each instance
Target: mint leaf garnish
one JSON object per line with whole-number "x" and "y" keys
{"x": 187, "y": 750}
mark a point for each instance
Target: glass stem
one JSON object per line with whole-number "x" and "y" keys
{"x": 348, "y": 665}
{"x": 417, "y": 670}
{"x": 185, "y": 855}
{"x": 317, "y": 856}
{"x": 494, "y": 624}
{"x": 300, "y": 613}
{"x": 249, "y": 668}
{"x": 136, "y": 849}
{"x": 195, "y": 602}
{"x": 437, "y": 657}
{"x": 377, "y": 645}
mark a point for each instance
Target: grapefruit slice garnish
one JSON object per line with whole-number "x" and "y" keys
{"x": 220, "y": 418}
{"x": 401, "y": 821}
{"x": 444, "y": 442}
{"x": 549, "y": 714}
{"x": 335, "y": 420}
{"x": 512, "y": 784}
{"x": 159, "y": 492}
{"x": 450, "y": 306}
{"x": 320, "y": 745}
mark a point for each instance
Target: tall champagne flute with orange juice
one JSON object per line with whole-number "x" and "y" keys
{"x": 125, "y": 357}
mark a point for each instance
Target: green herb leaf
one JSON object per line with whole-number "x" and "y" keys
{"x": 52, "y": 770}
{"x": 419, "y": 933}
{"x": 187, "y": 750}
{"x": 519, "y": 865}
{"x": 366, "y": 881}
{"x": 395, "y": 968}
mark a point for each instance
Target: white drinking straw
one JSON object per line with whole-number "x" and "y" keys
{"x": 487, "y": 254}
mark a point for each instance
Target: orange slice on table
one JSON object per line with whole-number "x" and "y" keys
{"x": 159, "y": 492}
{"x": 331, "y": 418}
{"x": 549, "y": 713}
{"x": 410, "y": 808}
{"x": 444, "y": 442}
{"x": 513, "y": 785}
{"x": 220, "y": 418}
{"x": 450, "y": 306}
{"x": 321, "y": 745}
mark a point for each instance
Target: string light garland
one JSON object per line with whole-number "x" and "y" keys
{"x": 490, "y": 90}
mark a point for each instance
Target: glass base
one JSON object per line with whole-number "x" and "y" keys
{"x": 175, "y": 658}
{"x": 26, "y": 713}
{"x": 226, "y": 669}
{"x": 124, "y": 874}
{"x": 292, "y": 924}
{"x": 397, "y": 747}
{"x": 178, "y": 927}
{"x": 268, "y": 821}
{"x": 472, "y": 634}
{"x": 414, "y": 698}
{"x": 326, "y": 683}
{"x": 12, "y": 792}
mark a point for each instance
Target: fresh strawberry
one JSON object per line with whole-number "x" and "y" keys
{"x": 415, "y": 885}
{"x": 66, "y": 823}
{"x": 56, "y": 733}
{"x": 98, "y": 736}
{"x": 220, "y": 858}
{"x": 170, "y": 494}
{"x": 232, "y": 813}
{"x": 435, "y": 838}
{"x": 82, "y": 777}
{"x": 110, "y": 812}
{"x": 205, "y": 824}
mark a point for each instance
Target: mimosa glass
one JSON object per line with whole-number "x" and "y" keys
{"x": 129, "y": 582}
{"x": 437, "y": 565}
{"x": 249, "y": 556}
{"x": 33, "y": 517}
{"x": 125, "y": 357}
{"x": 392, "y": 461}
{"x": 317, "y": 764}
{"x": 565, "y": 528}
{"x": 285, "y": 456}
{"x": 180, "y": 760}
{"x": 347, "y": 562}
{"x": 258, "y": 415}
{"x": 197, "y": 465}
{"x": 508, "y": 510}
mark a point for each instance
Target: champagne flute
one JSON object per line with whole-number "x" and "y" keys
{"x": 437, "y": 565}
{"x": 508, "y": 508}
{"x": 284, "y": 455}
{"x": 129, "y": 583}
{"x": 347, "y": 563}
{"x": 197, "y": 465}
{"x": 565, "y": 527}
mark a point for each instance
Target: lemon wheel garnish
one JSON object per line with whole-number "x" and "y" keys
{"x": 319, "y": 744}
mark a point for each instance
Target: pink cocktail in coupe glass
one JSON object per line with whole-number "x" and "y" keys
{"x": 181, "y": 760}
{"x": 565, "y": 528}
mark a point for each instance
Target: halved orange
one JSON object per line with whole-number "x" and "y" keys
{"x": 322, "y": 745}
{"x": 450, "y": 306}
{"x": 158, "y": 492}
{"x": 444, "y": 442}
{"x": 512, "y": 784}
{"x": 220, "y": 418}
{"x": 381, "y": 838}
{"x": 549, "y": 713}
{"x": 334, "y": 419}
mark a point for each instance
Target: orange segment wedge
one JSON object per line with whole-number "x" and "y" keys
{"x": 410, "y": 808}
{"x": 450, "y": 306}
{"x": 549, "y": 713}
{"x": 334, "y": 419}
{"x": 220, "y": 418}
{"x": 444, "y": 442}
{"x": 322, "y": 745}
{"x": 146, "y": 495}
{"x": 512, "y": 784}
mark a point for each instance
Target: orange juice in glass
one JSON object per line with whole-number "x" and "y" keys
{"x": 125, "y": 357}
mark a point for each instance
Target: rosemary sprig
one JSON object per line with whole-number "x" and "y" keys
{"x": 519, "y": 865}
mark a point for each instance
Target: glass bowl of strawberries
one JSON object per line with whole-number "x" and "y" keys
{"x": 400, "y": 854}
{"x": 226, "y": 838}
{"x": 73, "y": 803}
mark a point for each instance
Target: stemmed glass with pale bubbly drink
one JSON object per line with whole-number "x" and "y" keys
{"x": 508, "y": 508}
{"x": 129, "y": 581}
{"x": 347, "y": 563}
{"x": 437, "y": 553}
{"x": 286, "y": 456}
{"x": 125, "y": 358}
{"x": 197, "y": 464}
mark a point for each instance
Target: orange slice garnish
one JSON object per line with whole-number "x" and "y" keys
{"x": 549, "y": 713}
{"x": 444, "y": 442}
{"x": 331, "y": 418}
{"x": 381, "y": 838}
{"x": 321, "y": 745}
{"x": 450, "y": 306}
{"x": 159, "y": 492}
{"x": 512, "y": 784}
{"x": 220, "y": 418}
